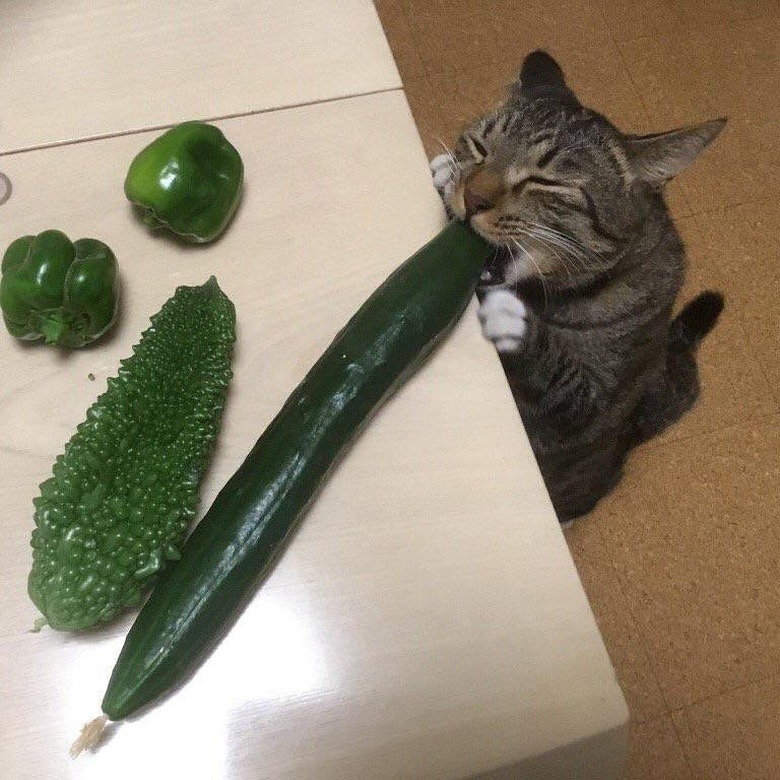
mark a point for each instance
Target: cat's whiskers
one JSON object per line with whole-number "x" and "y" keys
{"x": 589, "y": 261}
{"x": 513, "y": 236}
{"x": 536, "y": 266}
{"x": 551, "y": 247}
{"x": 529, "y": 233}
{"x": 588, "y": 258}
{"x": 551, "y": 239}
{"x": 583, "y": 248}
{"x": 452, "y": 161}
{"x": 582, "y": 263}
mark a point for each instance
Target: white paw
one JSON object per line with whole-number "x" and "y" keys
{"x": 504, "y": 319}
{"x": 444, "y": 172}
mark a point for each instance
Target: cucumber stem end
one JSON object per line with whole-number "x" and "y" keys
{"x": 90, "y": 735}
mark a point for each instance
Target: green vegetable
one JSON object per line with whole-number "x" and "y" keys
{"x": 187, "y": 180}
{"x": 125, "y": 489}
{"x": 388, "y": 338}
{"x": 66, "y": 293}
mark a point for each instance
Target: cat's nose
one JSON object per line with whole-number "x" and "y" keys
{"x": 474, "y": 203}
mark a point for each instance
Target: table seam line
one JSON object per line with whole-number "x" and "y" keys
{"x": 216, "y": 118}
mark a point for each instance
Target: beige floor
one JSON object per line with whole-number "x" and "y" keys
{"x": 681, "y": 562}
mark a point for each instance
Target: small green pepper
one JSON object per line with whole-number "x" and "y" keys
{"x": 64, "y": 292}
{"x": 187, "y": 180}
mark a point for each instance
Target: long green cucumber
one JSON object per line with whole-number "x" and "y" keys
{"x": 386, "y": 340}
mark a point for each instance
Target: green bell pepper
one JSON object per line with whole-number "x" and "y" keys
{"x": 64, "y": 292}
{"x": 188, "y": 180}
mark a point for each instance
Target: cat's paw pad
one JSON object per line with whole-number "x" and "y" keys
{"x": 504, "y": 319}
{"x": 443, "y": 171}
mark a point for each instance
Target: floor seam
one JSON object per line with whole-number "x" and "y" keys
{"x": 692, "y": 765}
{"x": 770, "y": 417}
{"x": 648, "y": 116}
{"x": 725, "y": 692}
{"x": 416, "y": 43}
{"x": 730, "y": 206}
{"x": 426, "y": 74}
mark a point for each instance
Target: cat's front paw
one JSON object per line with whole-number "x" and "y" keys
{"x": 445, "y": 172}
{"x": 504, "y": 319}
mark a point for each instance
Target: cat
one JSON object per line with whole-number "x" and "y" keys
{"x": 578, "y": 299}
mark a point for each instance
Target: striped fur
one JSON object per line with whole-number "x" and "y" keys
{"x": 585, "y": 242}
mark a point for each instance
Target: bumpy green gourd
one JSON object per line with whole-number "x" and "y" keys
{"x": 126, "y": 487}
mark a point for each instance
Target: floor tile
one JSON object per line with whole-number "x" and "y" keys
{"x": 424, "y": 102}
{"x": 695, "y": 13}
{"x": 670, "y": 78}
{"x": 739, "y": 167}
{"x": 601, "y": 81}
{"x": 655, "y": 752}
{"x": 677, "y": 200}
{"x": 674, "y": 79}
{"x": 693, "y": 533}
{"x": 465, "y": 96}
{"x": 732, "y": 70}
{"x": 451, "y": 34}
{"x": 751, "y": 9}
{"x": 399, "y": 36}
{"x": 539, "y": 24}
{"x": 628, "y": 20}
{"x": 744, "y": 243}
{"x": 734, "y": 388}
{"x": 618, "y": 628}
{"x": 742, "y": 60}
{"x": 734, "y": 736}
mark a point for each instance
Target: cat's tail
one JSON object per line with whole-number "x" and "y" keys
{"x": 677, "y": 387}
{"x": 696, "y": 320}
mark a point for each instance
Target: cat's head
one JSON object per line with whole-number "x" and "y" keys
{"x": 555, "y": 183}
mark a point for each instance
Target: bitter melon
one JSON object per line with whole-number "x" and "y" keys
{"x": 124, "y": 491}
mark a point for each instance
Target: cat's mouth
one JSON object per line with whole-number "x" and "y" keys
{"x": 507, "y": 265}
{"x": 494, "y": 270}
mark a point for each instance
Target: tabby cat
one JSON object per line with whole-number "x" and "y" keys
{"x": 578, "y": 299}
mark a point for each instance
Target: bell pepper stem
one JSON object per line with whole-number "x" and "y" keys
{"x": 53, "y": 327}
{"x": 66, "y": 292}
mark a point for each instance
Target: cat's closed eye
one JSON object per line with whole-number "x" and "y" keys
{"x": 542, "y": 181}
{"x": 476, "y": 147}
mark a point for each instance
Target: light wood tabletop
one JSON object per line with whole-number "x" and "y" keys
{"x": 427, "y": 620}
{"x": 82, "y": 69}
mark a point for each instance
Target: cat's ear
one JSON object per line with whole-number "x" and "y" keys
{"x": 660, "y": 157}
{"x": 539, "y": 72}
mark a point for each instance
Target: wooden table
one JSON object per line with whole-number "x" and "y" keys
{"x": 427, "y": 620}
